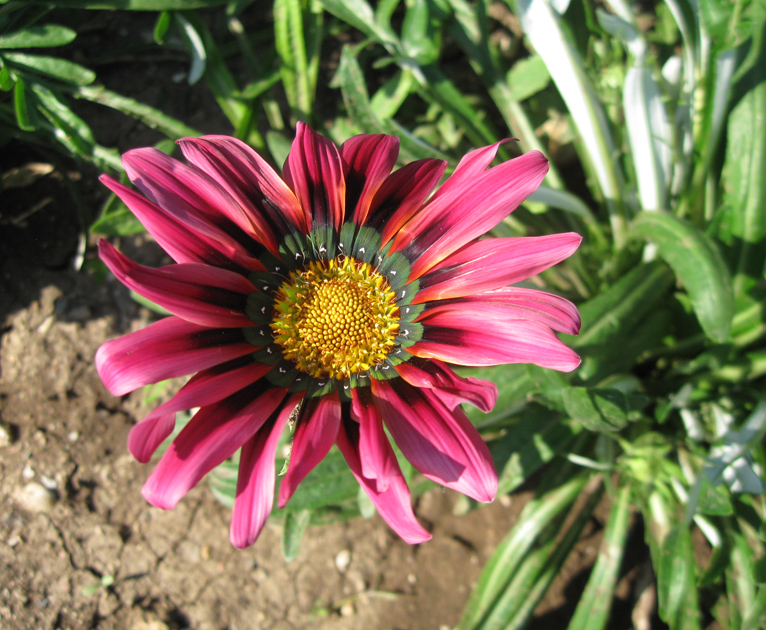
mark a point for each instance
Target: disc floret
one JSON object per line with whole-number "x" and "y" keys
{"x": 335, "y": 318}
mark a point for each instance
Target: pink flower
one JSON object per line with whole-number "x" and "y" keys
{"x": 338, "y": 294}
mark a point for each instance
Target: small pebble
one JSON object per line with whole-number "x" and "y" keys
{"x": 28, "y": 472}
{"x": 36, "y": 498}
{"x": 5, "y": 436}
{"x": 342, "y": 560}
{"x": 347, "y": 610}
{"x": 412, "y": 578}
{"x": 49, "y": 482}
{"x": 73, "y": 436}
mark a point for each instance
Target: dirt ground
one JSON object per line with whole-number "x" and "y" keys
{"x": 80, "y": 549}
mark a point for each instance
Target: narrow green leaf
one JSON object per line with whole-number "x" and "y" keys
{"x": 150, "y": 116}
{"x": 744, "y": 185}
{"x": 545, "y": 31}
{"x": 21, "y": 104}
{"x": 437, "y": 88}
{"x": 420, "y": 41}
{"x": 71, "y": 130}
{"x": 161, "y": 27}
{"x": 676, "y": 588}
{"x": 60, "y": 69}
{"x": 44, "y": 36}
{"x": 350, "y": 79}
{"x": 592, "y": 612}
{"x": 6, "y": 80}
{"x": 196, "y": 49}
{"x": 539, "y": 515}
{"x": 359, "y": 14}
{"x": 697, "y": 263}
{"x": 134, "y": 5}
{"x": 292, "y": 533}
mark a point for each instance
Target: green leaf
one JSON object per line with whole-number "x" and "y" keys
{"x": 544, "y": 514}
{"x": 61, "y": 69}
{"x": 592, "y": 611}
{"x": 71, "y": 130}
{"x": 150, "y": 116}
{"x": 161, "y": 27}
{"x": 134, "y": 5}
{"x": 527, "y": 77}
{"x": 45, "y": 36}
{"x": 602, "y": 410}
{"x": 744, "y": 185}
{"x": 677, "y": 592}
{"x": 420, "y": 41}
{"x": 359, "y": 14}
{"x": 292, "y": 533}
{"x": 6, "y": 80}
{"x": 697, "y": 263}
{"x": 24, "y": 116}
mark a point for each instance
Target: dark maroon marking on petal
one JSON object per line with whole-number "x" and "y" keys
{"x": 402, "y": 194}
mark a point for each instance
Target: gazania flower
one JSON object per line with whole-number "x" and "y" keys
{"x": 339, "y": 295}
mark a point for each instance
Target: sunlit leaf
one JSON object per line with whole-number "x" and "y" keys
{"x": 698, "y": 265}
{"x": 44, "y": 36}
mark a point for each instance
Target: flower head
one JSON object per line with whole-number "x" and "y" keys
{"x": 339, "y": 294}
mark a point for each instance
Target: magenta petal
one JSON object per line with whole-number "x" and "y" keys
{"x": 377, "y": 459}
{"x": 493, "y": 263}
{"x": 368, "y": 160}
{"x": 203, "y": 389}
{"x": 256, "y": 479}
{"x": 183, "y": 190}
{"x": 461, "y": 212}
{"x": 392, "y": 503}
{"x": 473, "y": 333}
{"x": 198, "y": 293}
{"x": 213, "y": 434}
{"x": 314, "y": 171}
{"x": 452, "y": 389}
{"x": 441, "y": 443}
{"x": 196, "y": 240}
{"x": 402, "y": 194}
{"x": 270, "y": 204}
{"x": 168, "y": 348}
{"x": 512, "y": 303}
{"x": 315, "y": 433}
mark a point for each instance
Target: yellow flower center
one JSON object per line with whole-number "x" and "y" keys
{"x": 335, "y": 318}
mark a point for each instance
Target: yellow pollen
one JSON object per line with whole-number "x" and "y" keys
{"x": 335, "y": 318}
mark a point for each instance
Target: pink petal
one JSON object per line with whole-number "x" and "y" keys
{"x": 205, "y": 388}
{"x": 492, "y": 263}
{"x": 452, "y": 389}
{"x": 376, "y": 464}
{"x": 393, "y": 502}
{"x": 212, "y": 435}
{"x": 441, "y": 443}
{"x": 270, "y": 204}
{"x": 402, "y": 194}
{"x": 184, "y": 190}
{"x": 168, "y": 348}
{"x": 368, "y": 160}
{"x": 198, "y": 293}
{"x": 472, "y": 333}
{"x": 256, "y": 480}
{"x": 470, "y": 207}
{"x": 511, "y": 303}
{"x": 314, "y": 171}
{"x": 315, "y": 433}
{"x": 186, "y": 241}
